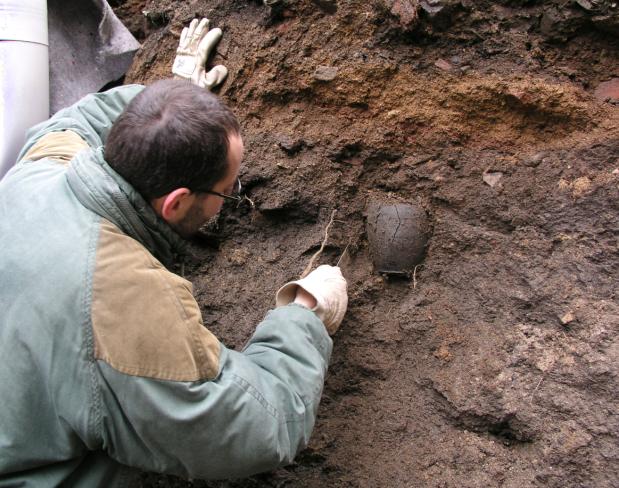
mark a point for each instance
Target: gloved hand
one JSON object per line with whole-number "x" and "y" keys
{"x": 194, "y": 48}
{"x": 327, "y": 285}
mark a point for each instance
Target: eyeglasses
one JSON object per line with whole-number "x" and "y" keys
{"x": 236, "y": 192}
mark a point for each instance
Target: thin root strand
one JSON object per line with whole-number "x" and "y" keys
{"x": 317, "y": 254}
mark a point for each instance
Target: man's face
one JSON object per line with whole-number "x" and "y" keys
{"x": 205, "y": 206}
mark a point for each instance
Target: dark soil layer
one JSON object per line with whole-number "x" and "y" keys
{"x": 497, "y": 363}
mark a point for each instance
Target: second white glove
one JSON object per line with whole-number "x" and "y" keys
{"x": 194, "y": 48}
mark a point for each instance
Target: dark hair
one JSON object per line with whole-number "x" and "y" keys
{"x": 171, "y": 135}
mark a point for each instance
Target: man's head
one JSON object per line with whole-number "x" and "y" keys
{"x": 174, "y": 142}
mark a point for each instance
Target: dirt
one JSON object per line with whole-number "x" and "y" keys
{"x": 496, "y": 363}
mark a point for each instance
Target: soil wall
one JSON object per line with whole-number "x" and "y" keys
{"x": 496, "y": 364}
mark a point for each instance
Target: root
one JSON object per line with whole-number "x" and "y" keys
{"x": 251, "y": 202}
{"x": 317, "y": 254}
{"x": 343, "y": 254}
{"x": 415, "y": 276}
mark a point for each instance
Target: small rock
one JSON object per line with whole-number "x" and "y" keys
{"x": 608, "y": 90}
{"x": 325, "y": 73}
{"x": 431, "y": 6}
{"x": 401, "y": 426}
{"x": 492, "y": 178}
{"x": 238, "y": 257}
{"x": 616, "y": 171}
{"x": 567, "y": 318}
{"x": 406, "y": 11}
{"x": 156, "y": 18}
{"x": 535, "y": 160}
{"x": 290, "y": 146}
{"x": 564, "y": 184}
{"x": 586, "y": 4}
{"x": 581, "y": 186}
{"x": 442, "y": 64}
{"x": 443, "y": 353}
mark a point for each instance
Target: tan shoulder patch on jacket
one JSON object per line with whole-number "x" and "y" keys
{"x": 61, "y": 146}
{"x": 145, "y": 319}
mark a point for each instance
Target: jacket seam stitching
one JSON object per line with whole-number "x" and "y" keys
{"x": 201, "y": 353}
{"x": 150, "y": 373}
{"x": 95, "y": 423}
{"x": 256, "y": 395}
{"x": 271, "y": 409}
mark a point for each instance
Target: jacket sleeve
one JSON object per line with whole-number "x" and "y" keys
{"x": 90, "y": 118}
{"x": 255, "y": 415}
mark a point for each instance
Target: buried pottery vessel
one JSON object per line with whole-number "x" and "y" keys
{"x": 398, "y": 235}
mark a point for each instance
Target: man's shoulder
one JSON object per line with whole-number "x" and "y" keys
{"x": 145, "y": 319}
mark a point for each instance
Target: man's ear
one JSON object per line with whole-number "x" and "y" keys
{"x": 174, "y": 205}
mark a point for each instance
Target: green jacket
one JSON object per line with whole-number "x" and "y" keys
{"x": 105, "y": 363}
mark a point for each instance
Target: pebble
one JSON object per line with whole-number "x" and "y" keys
{"x": 238, "y": 257}
{"x": 325, "y": 73}
{"x": 406, "y": 11}
{"x": 492, "y": 178}
{"x": 608, "y": 89}
{"x": 568, "y": 317}
{"x": 431, "y": 6}
{"x": 442, "y": 64}
{"x": 535, "y": 160}
{"x": 586, "y": 4}
{"x": 290, "y": 146}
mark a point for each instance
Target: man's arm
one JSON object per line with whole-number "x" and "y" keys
{"x": 256, "y": 415}
{"x": 168, "y": 397}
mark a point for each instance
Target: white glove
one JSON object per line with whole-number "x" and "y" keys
{"x": 327, "y": 285}
{"x": 194, "y": 48}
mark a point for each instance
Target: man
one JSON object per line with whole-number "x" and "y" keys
{"x": 106, "y": 365}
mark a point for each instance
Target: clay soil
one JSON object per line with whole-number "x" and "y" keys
{"x": 497, "y": 363}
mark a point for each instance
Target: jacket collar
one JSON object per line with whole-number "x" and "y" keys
{"x": 101, "y": 189}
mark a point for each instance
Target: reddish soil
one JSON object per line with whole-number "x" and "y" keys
{"x": 497, "y": 364}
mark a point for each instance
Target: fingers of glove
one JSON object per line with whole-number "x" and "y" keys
{"x": 329, "y": 287}
{"x": 200, "y": 32}
{"x": 331, "y": 303}
{"x": 184, "y": 37}
{"x": 326, "y": 284}
{"x": 191, "y": 31}
{"x": 326, "y": 273}
{"x": 208, "y": 43}
{"x": 334, "y": 311}
{"x": 325, "y": 269}
{"x": 214, "y": 77}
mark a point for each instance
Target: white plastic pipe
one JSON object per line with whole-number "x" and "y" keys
{"x": 24, "y": 74}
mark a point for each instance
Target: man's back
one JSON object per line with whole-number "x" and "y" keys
{"x": 47, "y": 239}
